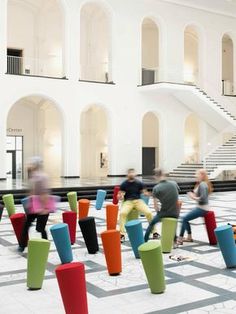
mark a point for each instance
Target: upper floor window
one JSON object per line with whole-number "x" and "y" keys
{"x": 191, "y": 55}
{"x": 227, "y": 65}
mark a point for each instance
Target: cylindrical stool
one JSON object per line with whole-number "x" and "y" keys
{"x": 8, "y": 201}
{"x": 25, "y": 203}
{"x": 18, "y": 222}
{"x": 70, "y": 218}
{"x": 83, "y": 208}
{"x": 38, "y": 250}
{"x": 133, "y": 215}
{"x": 112, "y": 250}
{"x": 225, "y": 237}
{"x": 145, "y": 198}
{"x": 101, "y": 195}
{"x": 169, "y": 226}
{"x": 111, "y": 216}
{"x": 89, "y": 232}
{"x": 210, "y": 222}
{"x": 1, "y": 211}
{"x": 151, "y": 256}
{"x": 61, "y": 238}
{"x": 135, "y": 233}
{"x": 72, "y": 199}
{"x": 72, "y": 284}
{"x": 115, "y": 194}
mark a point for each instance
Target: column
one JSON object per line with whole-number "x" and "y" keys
{"x": 3, "y": 36}
{"x": 2, "y": 146}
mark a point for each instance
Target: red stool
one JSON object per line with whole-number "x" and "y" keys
{"x": 115, "y": 194}
{"x": 83, "y": 208}
{"x": 72, "y": 285}
{"x": 18, "y": 222}
{"x": 112, "y": 251}
{"x": 111, "y": 216}
{"x": 210, "y": 222}
{"x": 70, "y": 219}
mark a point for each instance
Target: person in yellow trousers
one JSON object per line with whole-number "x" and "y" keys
{"x": 130, "y": 193}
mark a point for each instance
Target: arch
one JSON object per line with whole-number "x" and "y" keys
{"x": 96, "y": 43}
{"x": 94, "y": 132}
{"x": 150, "y": 142}
{"x": 39, "y": 121}
{"x": 192, "y": 139}
{"x": 194, "y": 45}
{"x": 36, "y": 37}
{"x": 227, "y": 46}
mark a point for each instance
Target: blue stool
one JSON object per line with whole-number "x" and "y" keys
{"x": 61, "y": 237}
{"x": 135, "y": 233}
{"x": 145, "y": 198}
{"x": 101, "y": 195}
{"x": 25, "y": 204}
{"x": 225, "y": 238}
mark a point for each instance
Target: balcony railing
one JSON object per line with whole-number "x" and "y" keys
{"x": 48, "y": 67}
{"x": 96, "y": 73}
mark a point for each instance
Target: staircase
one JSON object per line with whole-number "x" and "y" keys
{"x": 222, "y": 158}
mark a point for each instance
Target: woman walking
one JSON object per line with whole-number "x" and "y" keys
{"x": 201, "y": 195}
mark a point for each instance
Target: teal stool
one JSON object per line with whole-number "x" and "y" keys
{"x": 61, "y": 238}
{"x": 225, "y": 238}
{"x": 135, "y": 233}
{"x": 168, "y": 232}
{"x": 38, "y": 250}
{"x": 151, "y": 257}
{"x": 100, "y": 198}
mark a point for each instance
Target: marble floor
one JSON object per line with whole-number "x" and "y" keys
{"x": 201, "y": 285}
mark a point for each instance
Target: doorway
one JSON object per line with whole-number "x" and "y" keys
{"x": 14, "y": 61}
{"x": 149, "y": 160}
{"x": 15, "y": 157}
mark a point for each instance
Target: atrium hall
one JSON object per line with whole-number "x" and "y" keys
{"x": 91, "y": 90}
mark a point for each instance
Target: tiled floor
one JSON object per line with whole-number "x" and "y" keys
{"x": 200, "y": 286}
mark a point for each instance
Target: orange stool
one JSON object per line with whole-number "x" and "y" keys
{"x": 112, "y": 250}
{"x": 112, "y": 215}
{"x": 83, "y": 208}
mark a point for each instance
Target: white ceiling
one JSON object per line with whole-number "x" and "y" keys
{"x": 225, "y": 7}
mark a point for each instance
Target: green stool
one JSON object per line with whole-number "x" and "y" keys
{"x": 38, "y": 250}
{"x": 133, "y": 215}
{"x": 9, "y": 203}
{"x": 72, "y": 199}
{"x": 151, "y": 257}
{"x": 168, "y": 232}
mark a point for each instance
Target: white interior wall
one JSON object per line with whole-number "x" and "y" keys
{"x": 94, "y": 141}
{"x": 191, "y": 55}
{"x": 192, "y": 139}
{"x": 95, "y": 45}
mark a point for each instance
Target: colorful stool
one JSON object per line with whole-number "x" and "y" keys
{"x": 89, "y": 232}
{"x": 18, "y": 222}
{"x": 151, "y": 257}
{"x": 101, "y": 195}
{"x": 8, "y": 201}
{"x": 133, "y": 215}
{"x": 70, "y": 218}
{"x": 61, "y": 238}
{"x": 112, "y": 250}
{"x": 72, "y": 285}
{"x": 169, "y": 226}
{"x": 111, "y": 216}
{"x": 72, "y": 199}
{"x": 25, "y": 203}
{"x": 115, "y": 195}
{"x": 225, "y": 238}
{"x": 210, "y": 222}
{"x": 83, "y": 208}
{"x": 145, "y": 198}
{"x": 135, "y": 233}
{"x": 38, "y": 250}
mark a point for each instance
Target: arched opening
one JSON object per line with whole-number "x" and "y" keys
{"x": 191, "y": 55}
{"x": 35, "y": 38}
{"x": 150, "y": 143}
{"x": 95, "y": 43}
{"x": 150, "y": 52}
{"x": 192, "y": 142}
{"x": 94, "y": 142}
{"x": 227, "y": 65}
{"x": 34, "y": 128}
